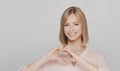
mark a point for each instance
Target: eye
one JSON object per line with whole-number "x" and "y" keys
{"x": 66, "y": 25}
{"x": 76, "y": 24}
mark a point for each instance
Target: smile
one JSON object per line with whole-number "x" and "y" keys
{"x": 72, "y": 34}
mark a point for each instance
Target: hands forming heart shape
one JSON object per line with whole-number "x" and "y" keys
{"x": 62, "y": 55}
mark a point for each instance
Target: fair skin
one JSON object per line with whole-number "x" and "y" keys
{"x": 73, "y": 31}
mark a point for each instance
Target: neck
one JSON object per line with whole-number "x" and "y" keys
{"x": 76, "y": 45}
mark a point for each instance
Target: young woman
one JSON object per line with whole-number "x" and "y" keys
{"x": 72, "y": 54}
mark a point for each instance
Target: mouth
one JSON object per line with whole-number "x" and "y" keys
{"x": 72, "y": 34}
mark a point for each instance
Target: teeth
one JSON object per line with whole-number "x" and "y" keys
{"x": 72, "y": 34}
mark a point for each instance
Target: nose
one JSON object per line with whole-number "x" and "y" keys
{"x": 71, "y": 28}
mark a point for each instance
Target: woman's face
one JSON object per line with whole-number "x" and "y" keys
{"x": 72, "y": 28}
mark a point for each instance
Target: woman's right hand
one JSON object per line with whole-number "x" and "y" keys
{"x": 52, "y": 55}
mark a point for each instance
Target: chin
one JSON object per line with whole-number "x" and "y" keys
{"x": 72, "y": 39}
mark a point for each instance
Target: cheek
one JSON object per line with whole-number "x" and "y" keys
{"x": 66, "y": 29}
{"x": 78, "y": 28}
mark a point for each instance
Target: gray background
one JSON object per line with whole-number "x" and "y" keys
{"x": 28, "y": 29}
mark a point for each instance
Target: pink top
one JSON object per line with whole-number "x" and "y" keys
{"x": 88, "y": 54}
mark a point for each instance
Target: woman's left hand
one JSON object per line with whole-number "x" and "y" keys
{"x": 74, "y": 57}
{"x": 82, "y": 62}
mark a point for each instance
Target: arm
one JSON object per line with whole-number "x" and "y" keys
{"x": 103, "y": 66}
{"x": 82, "y": 62}
{"x": 88, "y": 65}
{"x": 34, "y": 66}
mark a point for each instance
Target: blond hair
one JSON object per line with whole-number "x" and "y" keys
{"x": 81, "y": 17}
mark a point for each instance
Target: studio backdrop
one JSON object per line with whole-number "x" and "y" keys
{"x": 29, "y": 28}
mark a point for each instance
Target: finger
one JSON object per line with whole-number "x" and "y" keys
{"x": 55, "y": 58}
{"x": 53, "y": 50}
{"x": 67, "y": 47}
{"x": 60, "y": 59}
{"x": 67, "y": 61}
{"x": 73, "y": 60}
{"x": 71, "y": 52}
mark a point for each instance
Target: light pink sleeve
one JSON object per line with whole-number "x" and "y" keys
{"x": 103, "y": 66}
{"x": 22, "y": 68}
{"x": 97, "y": 59}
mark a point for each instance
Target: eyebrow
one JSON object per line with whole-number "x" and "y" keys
{"x": 73, "y": 22}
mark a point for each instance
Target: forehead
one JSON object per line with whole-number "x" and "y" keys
{"x": 72, "y": 18}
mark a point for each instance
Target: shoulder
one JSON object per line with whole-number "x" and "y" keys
{"x": 93, "y": 53}
{"x": 95, "y": 57}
